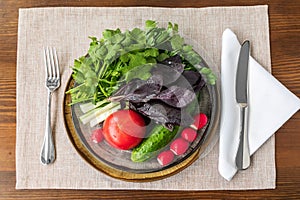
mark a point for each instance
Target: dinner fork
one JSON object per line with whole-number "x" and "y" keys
{"x": 52, "y": 83}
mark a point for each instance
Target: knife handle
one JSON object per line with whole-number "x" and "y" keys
{"x": 243, "y": 156}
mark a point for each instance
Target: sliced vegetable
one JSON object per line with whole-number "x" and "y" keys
{"x": 99, "y": 112}
{"x": 200, "y": 121}
{"x": 179, "y": 146}
{"x": 159, "y": 137}
{"x": 101, "y": 116}
{"x": 85, "y": 107}
{"x": 97, "y": 135}
{"x": 165, "y": 157}
{"x": 189, "y": 134}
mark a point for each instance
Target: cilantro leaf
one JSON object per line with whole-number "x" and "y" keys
{"x": 122, "y": 56}
{"x": 149, "y": 24}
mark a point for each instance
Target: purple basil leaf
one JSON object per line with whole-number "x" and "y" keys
{"x": 195, "y": 79}
{"x": 191, "y": 80}
{"x": 150, "y": 88}
{"x": 138, "y": 90}
{"x": 170, "y": 68}
{"x": 176, "y": 96}
{"x": 174, "y": 62}
{"x": 126, "y": 89}
{"x": 123, "y": 104}
{"x": 163, "y": 113}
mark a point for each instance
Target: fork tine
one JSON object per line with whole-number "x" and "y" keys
{"x": 52, "y": 63}
{"x": 56, "y": 64}
{"x": 49, "y": 63}
{"x": 46, "y": 62}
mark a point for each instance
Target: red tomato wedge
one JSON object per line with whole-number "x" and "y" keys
{"x": 124, "y": 129}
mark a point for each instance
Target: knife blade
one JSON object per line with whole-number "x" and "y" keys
{"x": 241, "y": 88}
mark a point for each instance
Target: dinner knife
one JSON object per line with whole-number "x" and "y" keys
{"x": 241, "y": 88}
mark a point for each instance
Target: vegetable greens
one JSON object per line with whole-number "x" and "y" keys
{"x": 119, "y": 57}
{"x": 127, "y": 66}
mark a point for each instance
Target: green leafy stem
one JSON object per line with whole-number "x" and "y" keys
{"x": 119, "y": 57}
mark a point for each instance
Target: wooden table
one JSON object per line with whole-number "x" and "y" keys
{"x": 284, "y": 36}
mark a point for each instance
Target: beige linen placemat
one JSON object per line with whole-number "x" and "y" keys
{"x": 68, "y": 29}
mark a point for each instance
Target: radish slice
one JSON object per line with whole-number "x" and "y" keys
{"x": 189, "y": 134}
{"x": 165, "y": 157}
{"x": 200, "y": 121}
{"x": 179, "y": 146}
{"x": 97, "y": 135}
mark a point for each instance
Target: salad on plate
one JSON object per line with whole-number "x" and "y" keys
{"x": 140, "y": 92}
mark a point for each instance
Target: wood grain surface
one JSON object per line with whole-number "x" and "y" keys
{"x": 284, "y": 19}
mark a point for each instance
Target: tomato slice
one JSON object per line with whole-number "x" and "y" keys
{"x": 124, "y": 129}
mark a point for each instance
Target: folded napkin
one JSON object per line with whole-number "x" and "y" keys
{"x": 270, "y": 105}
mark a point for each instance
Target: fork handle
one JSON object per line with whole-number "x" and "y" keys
{"x": 48, "y": 149}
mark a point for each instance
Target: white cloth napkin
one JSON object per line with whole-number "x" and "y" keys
{"x": 270, "y": 105}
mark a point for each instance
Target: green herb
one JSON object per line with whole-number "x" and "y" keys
{"x": 119, "y": 57}
{"x": 211, "y": 77}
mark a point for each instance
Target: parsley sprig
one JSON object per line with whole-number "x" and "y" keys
{"x": 119, "y": 57}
